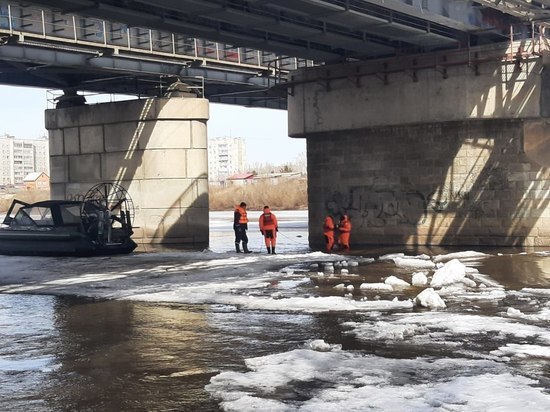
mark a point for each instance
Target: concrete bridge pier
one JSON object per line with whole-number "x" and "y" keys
{"x": 155, "y": 148}
{"x": 425, "y": 154}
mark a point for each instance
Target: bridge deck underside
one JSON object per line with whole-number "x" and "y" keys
{"x": 245, "y": 47}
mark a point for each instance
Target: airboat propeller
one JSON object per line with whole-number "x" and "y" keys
{"x": 114, "y": 198}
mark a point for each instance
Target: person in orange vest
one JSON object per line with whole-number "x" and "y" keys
{"x": 345, "y": 231}
{"x": 240, "y": 226}
{"x": 269, "y": 228}
{"x": 328, "y": 232}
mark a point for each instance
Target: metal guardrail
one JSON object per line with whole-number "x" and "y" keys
{"x": 30, "y": 22}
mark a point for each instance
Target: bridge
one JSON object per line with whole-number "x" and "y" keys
{"x": 230, "y": 52}
{"x": 49, "y": 48}
{"x": 425, "y": 120}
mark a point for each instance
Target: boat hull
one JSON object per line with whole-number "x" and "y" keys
{"x": 25, "y": 243}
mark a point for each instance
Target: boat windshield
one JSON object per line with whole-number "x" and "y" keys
{"x": 29, "y": 216}
{"x": 70, "y": 214}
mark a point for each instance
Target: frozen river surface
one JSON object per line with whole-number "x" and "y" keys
{"x": 385, "y": 330}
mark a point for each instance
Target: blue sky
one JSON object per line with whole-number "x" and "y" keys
{"x": 265, "y": 130}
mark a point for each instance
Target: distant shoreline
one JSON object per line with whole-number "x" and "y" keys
{"x": 285, "y": 195}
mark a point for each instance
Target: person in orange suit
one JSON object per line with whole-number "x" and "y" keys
{"x": 269, "y": 228}
{"x": 328, "y": 232}
{"x": 344, "y": 228}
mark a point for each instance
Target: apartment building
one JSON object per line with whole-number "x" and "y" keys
{"x": 19, "y": 157}
{"x": 226, "y": 157}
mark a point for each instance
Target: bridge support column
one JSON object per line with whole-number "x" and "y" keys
{"x": 456, "y": 183}
{"x": 155, "y": 148}
{"x": 461, "y": 159}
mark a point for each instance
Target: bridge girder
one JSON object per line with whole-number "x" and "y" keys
{"x": 324, "y": 31}
{"x": 320, "y": 30}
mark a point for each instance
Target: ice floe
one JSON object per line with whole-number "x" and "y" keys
{"x": 429, "y": 298}
{"x": 396, "y": 282}
{"x": 452, "y": 272}
{"x": 419, "y": 279}
{"x": 312, "y": 380}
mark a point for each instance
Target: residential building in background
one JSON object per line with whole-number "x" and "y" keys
{"x": 37, "y": 181}
{"x": 20, "y": 157}
{"x": 226, "y": 157}
{"x": 240, "y": 179}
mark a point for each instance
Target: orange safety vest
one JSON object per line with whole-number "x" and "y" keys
{"x": 243, "y": 219}
{"x": 328, "y": 227}
{"x": 268, "y": 221}
{"x": 345, "y": 225}
{"x": 345, "y": 232}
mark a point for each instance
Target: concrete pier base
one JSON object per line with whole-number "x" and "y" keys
{"x": 456, "y": 183}
{"x": 429, "y": 153}
{"x": 155, "y": 148}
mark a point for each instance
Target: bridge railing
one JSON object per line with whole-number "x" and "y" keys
{"x": 31, "y": 21}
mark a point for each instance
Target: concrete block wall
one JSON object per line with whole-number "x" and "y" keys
{"x": 154, "y": 148}
{"x": 451, "y": 183}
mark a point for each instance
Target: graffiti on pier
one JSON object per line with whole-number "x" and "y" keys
{"x": 79, "y": 197}
{"x": 447, "y": 198}
{"x": 378, "y": 208}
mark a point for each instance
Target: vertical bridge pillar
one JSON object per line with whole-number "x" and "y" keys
{"x": 432, "y": 150}
{"x": 155, "y": 148}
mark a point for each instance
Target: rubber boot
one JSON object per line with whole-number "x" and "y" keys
{"x": 237, "y": 248}
{"x": 273, "y": 250}
{"x": 268, "y": 250}
{"x": 245, "y": 248}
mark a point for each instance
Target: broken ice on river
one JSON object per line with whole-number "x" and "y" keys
{"x": 439, "y": 336}
{"x": 415, "y": 333}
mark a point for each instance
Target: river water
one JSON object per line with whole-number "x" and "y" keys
{"x": 75, "y": 354}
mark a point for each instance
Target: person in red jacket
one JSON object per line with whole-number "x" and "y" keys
{"x": 328, "y": 232}
{"x": 345, "y": 231}
{"x": 269, "y": 228}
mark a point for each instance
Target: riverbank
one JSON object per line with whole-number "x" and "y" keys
{"x": 28, "y": 196}
{"x": 286, "y": 195}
